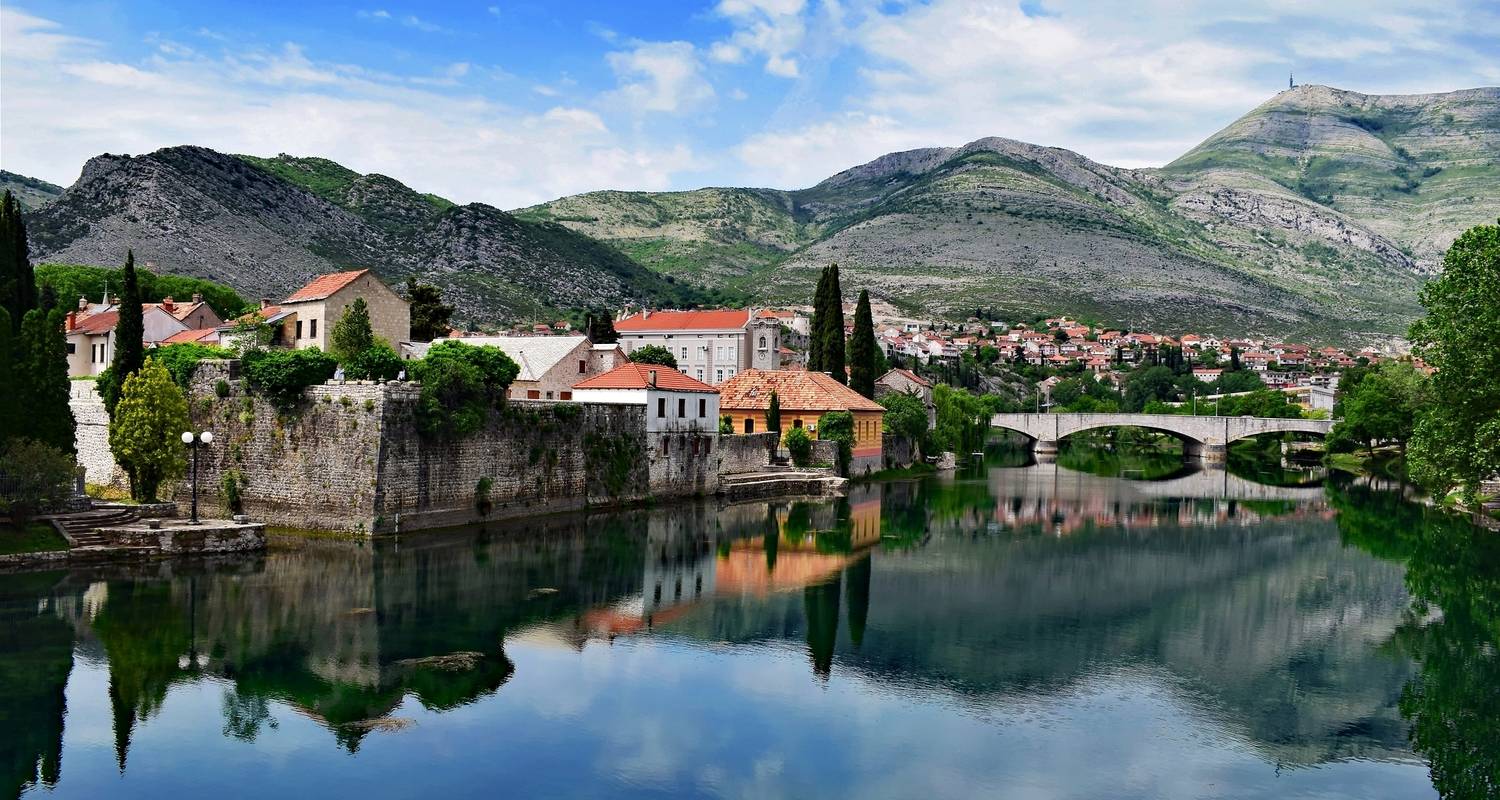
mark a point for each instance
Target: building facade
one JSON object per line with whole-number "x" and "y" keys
{"x": 310, "y": 313}
{"x": 804, "y": 397}
{"x": 710, "y": 346}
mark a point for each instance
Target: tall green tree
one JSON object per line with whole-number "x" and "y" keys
{"x": 352, "y": 334}
{"x": 128, "y": 338}
{"x": 17, "y": 282}
{"x": 1382, "y": 408}
{"x": 773, "y": 413}
{"x": 1457, "y": 438}
{"x": 602, "y": 327}
{"x": 862, "y": 349}
{"x": 828, "y": 326}
{"x": 42, "y": 358}
{"x": 815, "y": 355}
{"x": 10, "y": 382}
{"x": 430, "y": 316}
{"x": 146, "y": 429}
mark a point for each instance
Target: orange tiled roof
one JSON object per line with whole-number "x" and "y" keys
{"x": 190, "y": 335}
{"x": 684, "y": 320}
{"x": 103, "y": 322}
{"x": 911, "y": 376}
{"x": 324, "y": 286}
{"x": 638, "y": 376}
{"x": 179, "y": 311}
{"x": 796, "y": 390}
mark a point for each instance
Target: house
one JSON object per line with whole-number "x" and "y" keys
{"x": 90, "y": 329}
{"x": 804, "y": 397}
{"x": 674, "y": 402}
{"x": 310, "y": 313}
{"x": 711, "y": 346}
{"x": 908, "y": 382}
{"x": 549, "y": 365}
{"x": 1207, "y": 375}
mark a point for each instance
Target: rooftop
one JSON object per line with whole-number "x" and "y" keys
{"x": 684, "y": 320}
{"x": 638, "y": 376}
{"x": 324, "y": 286}
{"x": 796, "y": 390}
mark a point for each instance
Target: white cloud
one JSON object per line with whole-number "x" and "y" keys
{"x": 661, "y": 76}
{"x": 64, "y": 105}
{"x": 774, "y": 29}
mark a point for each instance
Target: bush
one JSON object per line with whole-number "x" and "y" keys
{"x": 838, "y": 426}
{"x": 181, "y": 360}
{"x": 905, "y": 415}
{"x": 281, "y": 375}
{"x": 229, "y": 487}
{"x": 34, "y": 477}
{"x": 221, "y": 389}
{"x": 726, "y": 424}
{"x": 482, "y": 489}
{"x": 378, "y": 362}
{"x": 799, "y": 445}
{"x": 460, "y": 384}
{"x": 144, "y": 432}
{"x": 654, "y": 354}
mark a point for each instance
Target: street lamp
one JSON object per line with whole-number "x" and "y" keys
{"x": 200, "y": 440}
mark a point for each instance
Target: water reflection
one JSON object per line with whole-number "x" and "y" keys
{"x": 1298, "y": 626}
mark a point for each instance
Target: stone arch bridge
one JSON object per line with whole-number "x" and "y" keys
{"x": 1205, "y": 437}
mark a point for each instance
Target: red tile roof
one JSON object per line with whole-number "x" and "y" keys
{"x": 796, "y": 390}
{"x": 638, "y": 376}
{"x": 103, "y": 322}
{"x": 324, "y": 286}
{"x": 191, "y": 335}
{"x": 684, "y": 320}
{"x": 911, "y": 376}
{"x": 178, "y": 310}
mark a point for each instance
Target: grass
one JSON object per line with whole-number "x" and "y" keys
{"x": 30, "y": 537}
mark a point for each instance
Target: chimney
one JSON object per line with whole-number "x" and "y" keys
{"x": 651, "y": 378}
{"x": 197, "y": 297}
{"x": 168, "y": 303}
{"x": 72, "y": 321}
{"x": 645, "y": 312}
{"x": 83, "y": 303}
{"x": 265, "y": 302}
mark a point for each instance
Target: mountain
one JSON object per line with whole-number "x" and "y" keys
{"x": 265, "y": 226}
{"x": 33, "y": 193}
{"x": 1319, "y": 214}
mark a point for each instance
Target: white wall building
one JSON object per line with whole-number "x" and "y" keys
{"x": 710, "y": 346}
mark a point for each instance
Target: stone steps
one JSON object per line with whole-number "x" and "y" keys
{"x": 81, "y": 528}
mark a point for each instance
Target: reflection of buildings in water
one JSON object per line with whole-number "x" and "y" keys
{"x": 1065, "y": 501}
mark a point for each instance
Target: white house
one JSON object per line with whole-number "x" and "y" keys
{"x": 674, "y": 402}
{"x": 712, "y": 346}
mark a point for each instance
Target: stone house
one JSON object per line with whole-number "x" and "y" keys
{"x": 804, "y": 397}
{"x": 908, "y": 382}
{"x": 90, "y": 329}
{"x": 310, "y": 313}
{"x": 710, "y": 346}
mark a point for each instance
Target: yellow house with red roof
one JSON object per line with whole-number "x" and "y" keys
{"x": 310, "y": 313}
{"x": 803, "y": 397}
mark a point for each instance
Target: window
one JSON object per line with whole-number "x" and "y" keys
{"x": 567, "y": 395}
{"x": 700, "y": 373}
{"x": 549, "y": 395}
{"x": 797, "y": 423}
{"x": 533, "y": 394}
{"x": 762, "y": 342}
{"x": 702, "y": 409}
{"x": 661, "y": 407}
{"x": 583, "y": 366}
{"x": 749, "y": 425}
{"x": 71, "y": 348}
{"x": 684, "y": 352}
{"x": 718, "y": 376}
{"x": 299, "y": 329}
{"x": 681, "y": 407}
{"x": 312, "y": 329}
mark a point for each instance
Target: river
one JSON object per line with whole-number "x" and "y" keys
{"x": 1095, "y": 628}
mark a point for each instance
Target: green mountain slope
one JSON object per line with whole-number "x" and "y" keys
{"x": 264, "y": 226}
{"x": 33, "y": 193}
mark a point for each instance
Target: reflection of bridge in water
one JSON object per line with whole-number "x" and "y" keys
{"x": 1204, "y": 437}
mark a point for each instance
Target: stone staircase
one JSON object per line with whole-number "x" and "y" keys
{"x": 81, "y": 528}
{"x": 781, "y": 481}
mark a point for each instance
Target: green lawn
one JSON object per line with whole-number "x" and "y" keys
{"x": 32, "y": 537}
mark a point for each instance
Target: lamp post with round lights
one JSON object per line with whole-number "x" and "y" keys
{"x": 196, "y": 441}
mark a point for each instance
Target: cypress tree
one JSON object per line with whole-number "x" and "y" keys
{"x": 17, "y": 281}
{"x": 815, "y": 339}
{"x": 862, "y": 348}
{"x": 833, "y": 331}
{"x": 44, "y": 380}
{"x": 11, "y": 382}
{"x": 773, "y": 414}
{"x": 130, "y": 352}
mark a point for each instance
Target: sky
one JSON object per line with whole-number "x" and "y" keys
{"x": 514, "y": 103}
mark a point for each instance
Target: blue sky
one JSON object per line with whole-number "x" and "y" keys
{"x": 513, "y": 103}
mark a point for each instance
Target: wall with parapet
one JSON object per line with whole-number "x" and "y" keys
{"x": 746, "y": 452}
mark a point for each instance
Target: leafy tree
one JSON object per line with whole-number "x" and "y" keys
{"x": 181, "y": 360}
{"x": 773, "y": 413}
{"x": 1152, "y": 383}
{"x": 799, "y": 446}
{"x": 838, "y": 426}
{"x": 1383, "y": 407}
{"x": 145, "y": 432}
{"x": 654, "y": 354}
{"x": 429, "y": 315}
{"x": 1457, "y": 441}
{"x": 905, "y": 415}
{"x": 1238, "y": 381}
{"x": 35, "y": 476}
{"x": 352, "y": 334}
{"x": 460, "y": 385}
{"x": 378, "y": 362}
{"x": 726, "y": 425}
{"x": 17, "y": 282}
{"x": 963, "y": 420}
{"x": 42, "y": 377}
{"x": 71, "y": 281}
{"x": 862, "y": 349}
{"x": 602, "y": 327}
{"x": 250, "y": 332}
{"x": 281, "y": 375}
{"x": 128, "y": 337}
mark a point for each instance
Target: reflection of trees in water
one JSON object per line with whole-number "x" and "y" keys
{"x": 1452, "y": 630}
{"x": 36, "y": 656}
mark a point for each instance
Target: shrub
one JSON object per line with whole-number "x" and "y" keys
{"x": 905, "y": 415}
{"x": 482, "y": 494}
{"x": 144, "y": 432}
{"x": 33, "y": 477}
{"x": 726, "y": 424}
{"x": 221, "y": 388}
{"x": 799, "y": 445}
{"x": 181, "y": 360}
{"x": 838, "y": 426}
{"x": 378, "y": 362}
{"x": 229, "y": 487}
{"x": 281, "y": 375}
{"x": 460, "y": 384}
{"x": 654, "y": 354}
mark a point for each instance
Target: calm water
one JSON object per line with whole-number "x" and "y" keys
{"x": 1020, "y": 631}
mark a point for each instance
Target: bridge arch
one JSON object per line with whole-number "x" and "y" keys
{"x": 1205, "y": 437}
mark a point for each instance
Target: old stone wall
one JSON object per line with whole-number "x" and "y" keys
{"x": 91, "y": 436}
{"x": 683, "y": 463}
{"x": 747, "y": 452}
{"x": 898, "y": 451}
